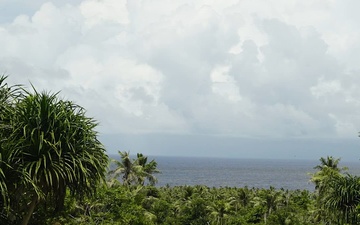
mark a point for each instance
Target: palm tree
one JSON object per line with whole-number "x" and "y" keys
{"x": 5, "y": 159}
{"x": 124, "y": 167}
{"x": 328, "y": 173}
{"x": 147, "y": 169}
{"x": 342, "y": 199}
{"x": 134, "y": 171}
{"x": 244, "y": 196}
{"x": 329, "y": 162}
{"x": 219, "y": 210}
{"x": 57, "y": 148}
{"x": 269, "y": 200}
{"x": 327, "y": 169}
{"x": 11, "y": 174}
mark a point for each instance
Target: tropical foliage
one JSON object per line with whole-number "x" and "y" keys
{"x": 134, "y": 171}
{"x": 52, "y": 168}
{"x": 338, "y": 194}
{"x": 196, "y": 205}
{"x": 48, "y": 147}
{"x": 118, "y": 204}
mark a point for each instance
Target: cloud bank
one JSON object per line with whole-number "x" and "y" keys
{"x": 234, "y": 68}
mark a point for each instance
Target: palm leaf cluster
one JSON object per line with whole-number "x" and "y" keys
{"x": 338, "y": 194}
{"x": 199, "y": 205}
{"x": 48, "y": 146}
{"x": 134, "y": 171}
{"x": 343, "y": 198}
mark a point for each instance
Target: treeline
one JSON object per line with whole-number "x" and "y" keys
{"x": 335, "y": 200}
{"x": 54, "y": 170}
{"x": 191, "y": 205}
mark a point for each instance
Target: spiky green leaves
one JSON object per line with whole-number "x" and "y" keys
{"x": 59, "y": 147}
{"x": 47, "y": 145}
{"x": 135, "y": 171}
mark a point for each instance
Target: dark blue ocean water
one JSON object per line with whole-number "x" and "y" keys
{"x": 221, "y": 172}
{"x": 261, "y": 173}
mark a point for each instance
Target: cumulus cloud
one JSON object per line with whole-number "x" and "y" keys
{"x": 239, "y": 68}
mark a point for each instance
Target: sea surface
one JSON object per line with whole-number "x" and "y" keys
{"x": 221, "y": 172}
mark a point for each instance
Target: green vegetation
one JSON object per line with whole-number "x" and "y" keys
{"x": 134, "y": 172}
{"x": 337, "y": 194}
{"x": 48, "y": 148}
{"x": 53, "y": 170}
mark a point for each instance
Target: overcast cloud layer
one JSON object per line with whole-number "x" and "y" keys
{"x": 246, "y": 68}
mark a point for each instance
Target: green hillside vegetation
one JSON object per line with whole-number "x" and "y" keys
{"x": 54, "y": 170}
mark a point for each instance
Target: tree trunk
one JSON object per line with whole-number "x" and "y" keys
{"x": 30, "y": 211}
{"x": 60, "y": 199}
{"x": 265, "y": 216}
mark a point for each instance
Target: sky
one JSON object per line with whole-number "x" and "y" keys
{"x": 232, "y": 78}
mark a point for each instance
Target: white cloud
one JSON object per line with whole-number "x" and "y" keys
{"x": 345, "y": 126}
{"x": 97, "y": 12}
{"x": 224, "y": 85}
{"x": 326, "y": 88}
{"x": 241, "y": 68}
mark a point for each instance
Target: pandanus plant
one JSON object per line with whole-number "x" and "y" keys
{"x": 50, "y": 147}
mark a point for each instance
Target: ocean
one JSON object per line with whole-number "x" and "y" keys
{"x": 221, "y": 172}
